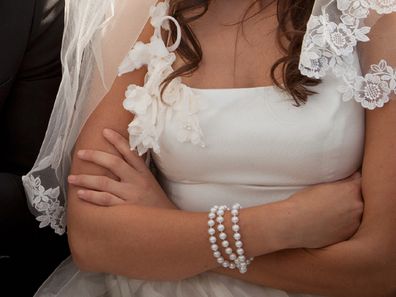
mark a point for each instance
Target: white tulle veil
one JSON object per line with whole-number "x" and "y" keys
{"x": 353, "y": 39}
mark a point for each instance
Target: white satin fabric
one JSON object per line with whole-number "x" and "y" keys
{"x": 260, "y": 148}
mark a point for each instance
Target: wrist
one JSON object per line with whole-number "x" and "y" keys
{"x": 269, "y": 228}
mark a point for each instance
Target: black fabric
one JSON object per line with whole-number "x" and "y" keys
{"x": 28, "y": 254}
{"x": 30, "y": 73}
{"x": 30, "y": 39}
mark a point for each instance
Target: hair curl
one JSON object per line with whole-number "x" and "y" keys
{"x": 292, "y": 16}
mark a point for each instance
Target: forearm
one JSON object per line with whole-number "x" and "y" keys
{"x": 159, "y": 244}
{"x": 358, "y": 267}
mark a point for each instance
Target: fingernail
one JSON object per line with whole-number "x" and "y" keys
{"x": 81, "y": 153}
{"x": 71, "y": 178}
{"x": 106, "y": 132}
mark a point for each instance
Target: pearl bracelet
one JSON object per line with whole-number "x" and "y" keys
{"x": 241, "y": 262}
{"x": 237, "y": 260}
{"x": 216, "y": 215}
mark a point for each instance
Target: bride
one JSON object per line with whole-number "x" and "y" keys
{"x": 257, "y": 118}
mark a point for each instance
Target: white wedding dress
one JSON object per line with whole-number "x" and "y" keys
{"x": 221, "y": 146}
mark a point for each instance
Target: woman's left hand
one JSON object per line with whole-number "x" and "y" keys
{"x": 136, "y": 184}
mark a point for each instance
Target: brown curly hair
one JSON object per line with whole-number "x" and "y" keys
{"x": 292, "y": 18}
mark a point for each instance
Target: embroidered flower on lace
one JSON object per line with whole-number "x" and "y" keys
{"x": 356, "y": 9}
{"x": 152, "y": 109}
{"x": 383, "y": 6}
{"x": 329, "y": 44}
{"x": 371, "y": 91}
{"x": 46, "y": 202}
{"x": 340, "y": 38}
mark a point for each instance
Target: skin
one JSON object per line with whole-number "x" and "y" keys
{"x": 110, "y": 239}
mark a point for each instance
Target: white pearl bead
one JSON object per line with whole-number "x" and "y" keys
{"x": 232, "y": 266}
{"x": 238, "y": 244}
{"x": 225, "y": 243}
{"x": 233, "y": 257}
{"x": 214, "y": 247}
{"x": 235, "y": 220}
{"x": 216, "y": 254}
{"x": 237, "y": 236}
{"x": 240, "y": 251}
{"x": 226, "y": 264}
{"x": 211, "y": 231}
{"x": 220, "y": 212}
{"x": 242, "y": 258}
{"x": 220, "y": 220}
{"x": 248, "y": 262}
{"x": 222, "y": 236}
{"x": 220, "y": 227}
{"x": 234, "y": 212}
{"x": 236, "y": 206}
{"x": 243, "y": 270}
{"x": 213, "y": 209}
{"x": 211, "y": 223}
{"x": 235, "y": 228}
{"x": 228, "y": 251}
{"x": 212, "y": 239}
{"x": 212, "y": 215}
{"x": 220, "y": 260}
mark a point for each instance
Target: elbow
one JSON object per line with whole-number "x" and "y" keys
{"x": 83, "y": 237}
{"x": 387, "y": 271}
{"x": 85, "y": 248}
{"x": 79, "y": 252}
{"x": 380, "y": 276}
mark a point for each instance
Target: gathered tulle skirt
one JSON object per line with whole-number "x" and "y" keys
{"x": 68, "y": 281}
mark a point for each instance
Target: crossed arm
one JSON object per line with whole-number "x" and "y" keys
{"x": 365, "y": 265}
{"x": 111, "y": 239}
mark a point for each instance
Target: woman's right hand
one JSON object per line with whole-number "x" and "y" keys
{"x": 325, "y": 214}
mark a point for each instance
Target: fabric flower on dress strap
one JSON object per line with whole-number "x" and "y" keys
{"x": 152, "y": 109}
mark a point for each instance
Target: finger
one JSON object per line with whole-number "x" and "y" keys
{"x": 99, "y": 198}
{"x": 98, "y": 183}
{"x": 109, "y": 161}
{"x": 122, "y": 145}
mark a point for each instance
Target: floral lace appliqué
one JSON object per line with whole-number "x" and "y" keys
{"x": 46, "y": 202}
{"x": 152, "y": 109}
{"x": 329, "y": 44}
{"x": 48, "y": 206}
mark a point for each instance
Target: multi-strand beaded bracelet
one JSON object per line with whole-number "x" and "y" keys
{"x": 237, "y": 259}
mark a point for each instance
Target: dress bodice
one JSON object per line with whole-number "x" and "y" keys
{"x": 259, "y": 147}
{"x": 248, "y": 145}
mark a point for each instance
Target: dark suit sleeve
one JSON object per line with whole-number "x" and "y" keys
{"x": 27, "y": 254}
{"x": 26, "y": 111}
